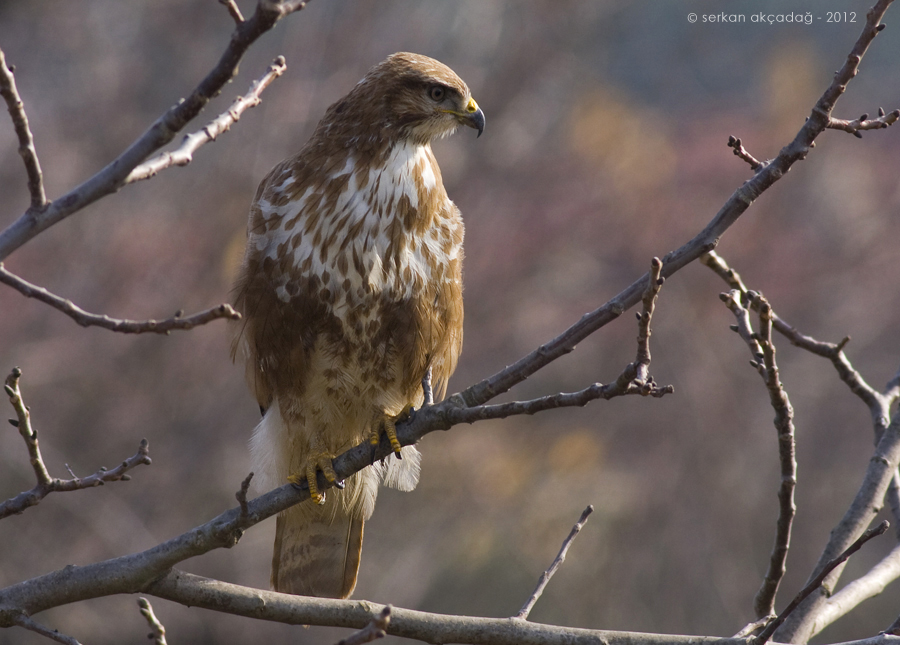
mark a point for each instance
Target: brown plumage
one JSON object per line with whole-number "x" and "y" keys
{"x": 350, "y": 290}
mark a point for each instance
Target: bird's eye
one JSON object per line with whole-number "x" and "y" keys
{"x": 436, "y": 93}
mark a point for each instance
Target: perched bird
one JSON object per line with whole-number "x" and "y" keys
{"x": 351, "y": 290}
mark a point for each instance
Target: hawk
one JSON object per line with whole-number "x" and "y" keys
{"x": 351, "y": 291}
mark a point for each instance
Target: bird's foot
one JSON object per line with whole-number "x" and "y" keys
{"x": 319, "y": 460}
{"x": 388, "y": 425}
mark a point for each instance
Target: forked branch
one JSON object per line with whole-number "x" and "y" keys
{"x": 763, "y": 350}
{"x": 45, "y": 483}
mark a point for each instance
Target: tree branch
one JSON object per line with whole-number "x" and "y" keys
{"x": 45, "y": 483}
{"x": 818, "y": 580}
{"x": 196, "y": 591}
{"x": 163, "y": 130}
{"x": 87, "y": 319}
{"x": 26, "y": 141}
{"x": 184, "y": 154}
{"x": 855, "y": 126}
{"x": 557, "y": 562}
{"x": 23, "y": 423}
{"x": 763, "y": 351}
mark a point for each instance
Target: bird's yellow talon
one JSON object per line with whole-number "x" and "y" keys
{"x": 388, "y": 425}
{"x": 316, "y": 462}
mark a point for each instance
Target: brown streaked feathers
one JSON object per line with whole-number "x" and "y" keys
{"x": 350, "y": 290}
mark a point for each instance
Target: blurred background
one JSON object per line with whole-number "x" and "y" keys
{"x": 605, "y": 145}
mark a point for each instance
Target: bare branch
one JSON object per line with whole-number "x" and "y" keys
{"x": 233, "y": 10}
{"x": 560, "y": 558}
{"x": 648, "y": 298}
{"x": 26, "y": 141}
{"x": 739, "y": 151}
{"x": 855, "y": 126}
{"x": 23, "y": 423}
{"x": 377, "y": 628}
{"x": 196, "y": 591}
{"x": 764, "y": 603}
{"x": 879, "y": 404}
{"x": 763, "y": 351}
{"x": 87, "y": 319}
{"x": 861, "y": 589}
{"x": 112, "y": 177}
{"x": 817, "y": 581}
{"x": 32, "y": 625}
{"x": 22, "y": 501}
{"x": 158, "y": 630}
{"x": 45, "y": 483}
{"x": 222, "y": 123}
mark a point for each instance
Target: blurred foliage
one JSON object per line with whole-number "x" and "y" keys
{"x": 605, "y": 145}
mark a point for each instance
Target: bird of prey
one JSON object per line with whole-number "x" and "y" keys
{"x": 351, "y": 291}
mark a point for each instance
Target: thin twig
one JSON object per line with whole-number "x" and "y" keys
{"x": 817, "y": 581}
{"x": 648, "y": 299}
{"x": 377, "y": 628}
{"x": 560, "y": 558}
{"x": 764, "y": 603}
{"x": 26, "y": 141}
{"x": 626, "y": 384}
{"x": 739, "y": 151}
{"x": 31, "y": 625}
{"x": 183, "y": 155}
{"x": 158, "y": 630}
{"x": 855, "y": 126}
{"x": 23, "y": 423}
{"x": 233, "y": 11}
{"x": 87, "y": 319}
{"x": 763, "y": 350}
{"x": 867, "y": 586}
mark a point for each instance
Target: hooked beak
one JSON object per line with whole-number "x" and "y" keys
{"x": 472, "y": 116}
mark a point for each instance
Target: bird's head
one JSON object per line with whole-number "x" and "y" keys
{"x": 417, "y": 98}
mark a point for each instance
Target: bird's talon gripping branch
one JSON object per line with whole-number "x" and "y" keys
{"x": 388, "y": 425}
{"x": 316, "y": 462}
